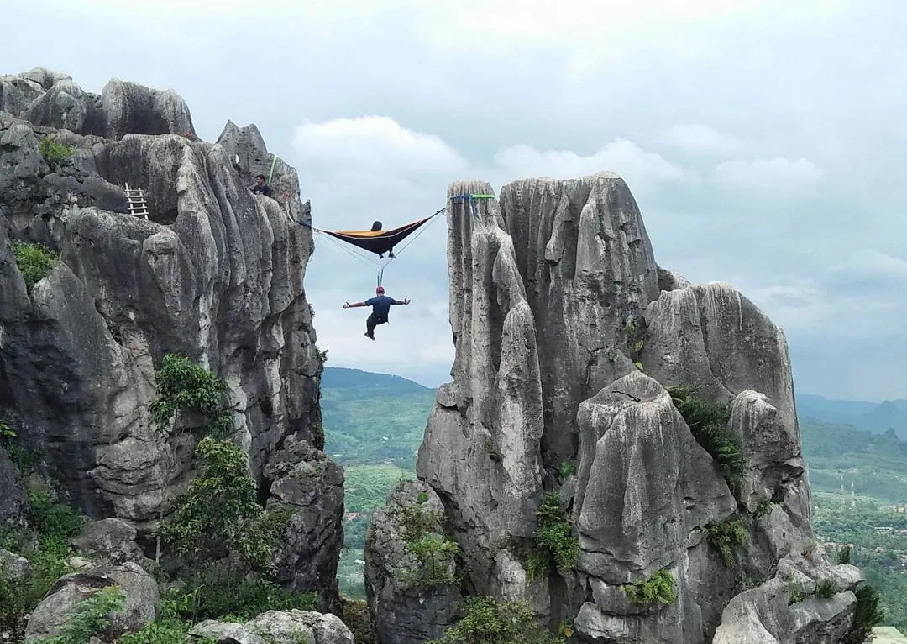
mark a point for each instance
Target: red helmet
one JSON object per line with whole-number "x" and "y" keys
{"x": 380, "y": 289}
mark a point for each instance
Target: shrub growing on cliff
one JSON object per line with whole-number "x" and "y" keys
{"x": 424, "y": 537}
{"x": 487, "y": 621}
{"x": 708, "y": 423}
{"x": 34, "y": 262}
{"x": 554, "y": 534}
{"x": 657, "y": 588}
{"x": 866, "y": 616}
{"x": 54, "y": 152}
{"x": 726, "y": 534}
{"x": 219, "y": 512}
{"x": 182, "y": 385}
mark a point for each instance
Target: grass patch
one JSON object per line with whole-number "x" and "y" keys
{"x": 34, "y": 261}
{"x": 708, "y": 423}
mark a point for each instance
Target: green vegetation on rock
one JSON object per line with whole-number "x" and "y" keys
{"x": 224, "y": 537}
{"x": 488, "y": 621}
{"x": 54, "y": 152}
{"x": 45, "y": 546}
{"x": 659, "y": 588}
{"x": 91, "y": 617}
{"x": 724, "y": 535}
{"x": 34, "y": 261}
{"x": 709, "y": 424}
{"x": 424, "y": 536}
{"x": 185, "y": 386}
{"x": 219, "y": 512}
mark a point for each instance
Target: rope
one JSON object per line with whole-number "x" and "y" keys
{"x": 355, "y": 252}
{"x": 271, "y": 173}
{"x": 410, "y": 241}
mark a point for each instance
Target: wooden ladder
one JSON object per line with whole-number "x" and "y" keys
{"x": 136, "y": 200}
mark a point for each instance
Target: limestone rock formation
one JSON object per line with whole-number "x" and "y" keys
{"x": 46, "y": 98}
{"x": 411, "y": 599}
{"x": 214, "y": 273}
{"x": 312, "y": 486}
{"x": 652, "y": 416}
{"x": 278, "y": 627}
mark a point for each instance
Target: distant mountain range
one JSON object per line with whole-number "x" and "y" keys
{"x": 876, "y": 417}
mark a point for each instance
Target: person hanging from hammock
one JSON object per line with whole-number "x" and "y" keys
{"x": 381, "y": 306}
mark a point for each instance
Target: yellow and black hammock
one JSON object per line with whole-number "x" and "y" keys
{"x": 381, "y": 242}
{"x": 376, "y": 240}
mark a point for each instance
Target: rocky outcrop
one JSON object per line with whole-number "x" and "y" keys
{"x": 214, "y": 273}
{"x": 587, "y": 376}
{"x": 311, "y": 485}
{"x": 410, "y": 580}
{"x": 49, "y": 99}
{"x": 802, "y": 602}
{"x": 278, "y": 627}
{"x": 136, "y": 587}
{"x": 111, "y": 541}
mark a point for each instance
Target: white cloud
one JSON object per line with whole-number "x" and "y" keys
{"x": 640, "y": 169}
{"x": 374, "y": 144}
{"x": 779, "y": 175}
{"x": 702, "y": 139}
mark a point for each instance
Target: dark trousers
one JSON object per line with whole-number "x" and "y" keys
{"x": 372, "y": 321}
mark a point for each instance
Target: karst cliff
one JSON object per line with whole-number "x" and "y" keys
{"x": 617, "y": 447}
{"x": 202, "y": 268}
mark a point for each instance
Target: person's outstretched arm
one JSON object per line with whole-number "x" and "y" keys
{"x": 347, "y": 305}
{"x": 406, "y": 301}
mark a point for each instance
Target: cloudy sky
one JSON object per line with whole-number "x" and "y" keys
{"x": 765, "y": 141}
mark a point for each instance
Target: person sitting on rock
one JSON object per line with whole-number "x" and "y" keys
{"x": 381, "y": 306}
{"x": 260, "y": 186}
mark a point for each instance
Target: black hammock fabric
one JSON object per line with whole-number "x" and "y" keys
{"x": 375, "y": 241}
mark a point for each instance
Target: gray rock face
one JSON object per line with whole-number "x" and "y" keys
{"x": 13, "y": 567}
{"x": 216, "y": 274}
{"x": 312, "y": 485}
{"x": 140, "y": 592}
{"x": 13, "y": 501}
{"x": 568, "y": 336}
{"x": 46, "y": 98}
{"x": 790, "y": 607}
{"x": 109, "y": 540}
{"x": 645, "y": 484}
{"x": 279, "y": 627}
{"x": 404, "y": 612}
